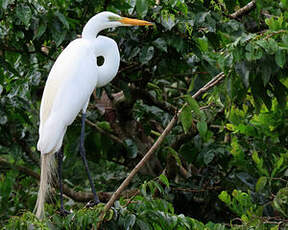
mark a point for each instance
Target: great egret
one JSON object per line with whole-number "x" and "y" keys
{"x": 68, "y": 88}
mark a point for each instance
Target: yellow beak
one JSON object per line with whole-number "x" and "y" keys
{"x": 134, "y": 22}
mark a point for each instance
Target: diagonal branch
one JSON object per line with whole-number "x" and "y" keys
{"x": 244, "y": 10}
{"x": 168, "y": 128}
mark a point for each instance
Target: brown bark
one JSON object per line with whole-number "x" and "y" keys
{"x": 244, "y": 10}
{"x": 150, "y": 152}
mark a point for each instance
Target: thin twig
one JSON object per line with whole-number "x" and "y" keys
{"x": 168, "y": 128}
{"x": 198, "y": 190}
{"x": 113, "y": 137}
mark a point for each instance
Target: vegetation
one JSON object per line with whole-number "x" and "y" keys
{"x": 224, "y": 164}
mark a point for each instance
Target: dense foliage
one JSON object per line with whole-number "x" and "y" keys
{"x": 223, "y": 166}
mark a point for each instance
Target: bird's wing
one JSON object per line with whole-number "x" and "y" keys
{"x": 68, "y": 88}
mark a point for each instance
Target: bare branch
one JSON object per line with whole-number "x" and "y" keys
{"x": 77, "y": 196}
{"x": 168, "y": 128}
{"x": 244, "y": 10}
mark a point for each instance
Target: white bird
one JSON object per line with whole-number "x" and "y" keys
{"x": 68, "y": 88}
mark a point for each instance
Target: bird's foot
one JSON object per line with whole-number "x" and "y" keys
{"x": 63, "y": 212}
{"x": 91, "y": 204}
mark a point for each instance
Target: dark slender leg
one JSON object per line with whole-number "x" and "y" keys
{"x": 59, "y": 154}
{"x": 83, "y": 155}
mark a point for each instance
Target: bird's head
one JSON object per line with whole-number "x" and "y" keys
{"x": 114, "y": 20}
{"x": 106, "y": 20}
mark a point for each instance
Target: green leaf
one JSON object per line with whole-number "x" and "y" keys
{"x": 266, "y": 73}
{"x": 161, "y": 44}
{"x": 225, "y": 197}
{"x": 58, "y": 33}
{"x": 193, "y": 105}
{"x": 143, "y": 189}
{"x": 277, "y": 166}
{"x": 262, "y": 181}
{"x": 189, "y": 152}
{"x": 230, "y": 5}
{"x": 104, "y": 125}
{"x": 256, "y": 158}
{"x": 5, "y": 3}
{"x": 280, "y": 91}
{"x": 129, "y": 221}
{"x": 168, "y": 20}
{"x": 146, "y": 55}
{"x": 62, "y": 19}
{"x": 253, "y": 52}
{"x": 141, "y": 8}
{"x": 208, "y": 157}
{"x": 131, "y": 147}
{"x": 177, "y": 43}
{"x": 243, "y": 69}
{"x": 24, "y": 13}
{"x": 134, "y": 52}
{"x": 284, "y": 3}
{"x": 142, "y": 224}
{"x": 273, "y": 45}
{"x": 280, "y": 201}
{"x": 158, "y": 186}
{"x": 202, "y": 128}
{"x": 41, "y": 29}
{"x": 280, "y": 58}
{"x": 175, "y": 155}
{"x": 7, "y": 66}
{"x": 164, "y": 180}
{"x": 203, "y": 43}
{"x": 186, "y": 119}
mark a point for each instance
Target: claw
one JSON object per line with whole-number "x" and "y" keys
{"x": 91, "y": 204}
{"x": 63, "y": 212}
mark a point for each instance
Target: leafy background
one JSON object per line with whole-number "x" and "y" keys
{"x": 223, "y": 166}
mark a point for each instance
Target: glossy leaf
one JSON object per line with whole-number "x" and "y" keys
{"x": 202, "y": 128}
{"x": 146, "y": 55}
{"x": 24, "y": 14}
{"x": 280, "y": 58}
{"x": 141, "y": 8}
{"x": 161, "y": 44}
{"x": 261, "y": 183}
{"x": 186, "y": 119}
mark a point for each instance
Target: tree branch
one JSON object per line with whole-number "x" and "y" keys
{"x": 244, "y": 10}
{"x": 76, "y": 196}
{"x": 102, "y": 131}
{"x": 168, "y": 128}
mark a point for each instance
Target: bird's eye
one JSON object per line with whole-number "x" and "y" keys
{"x": 100, "y": 60}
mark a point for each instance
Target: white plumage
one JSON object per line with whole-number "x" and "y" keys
{"x": 70, "y": 83}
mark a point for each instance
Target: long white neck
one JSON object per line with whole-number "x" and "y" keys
{"x": 95, "y": 25}
{"x": 107, "y": 48}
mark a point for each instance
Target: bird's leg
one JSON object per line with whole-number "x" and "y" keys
{"x": 63, "y": 212}
{"x": 83, "y": 155}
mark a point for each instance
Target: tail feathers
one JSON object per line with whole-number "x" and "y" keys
{"x": 47, "y": 171}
